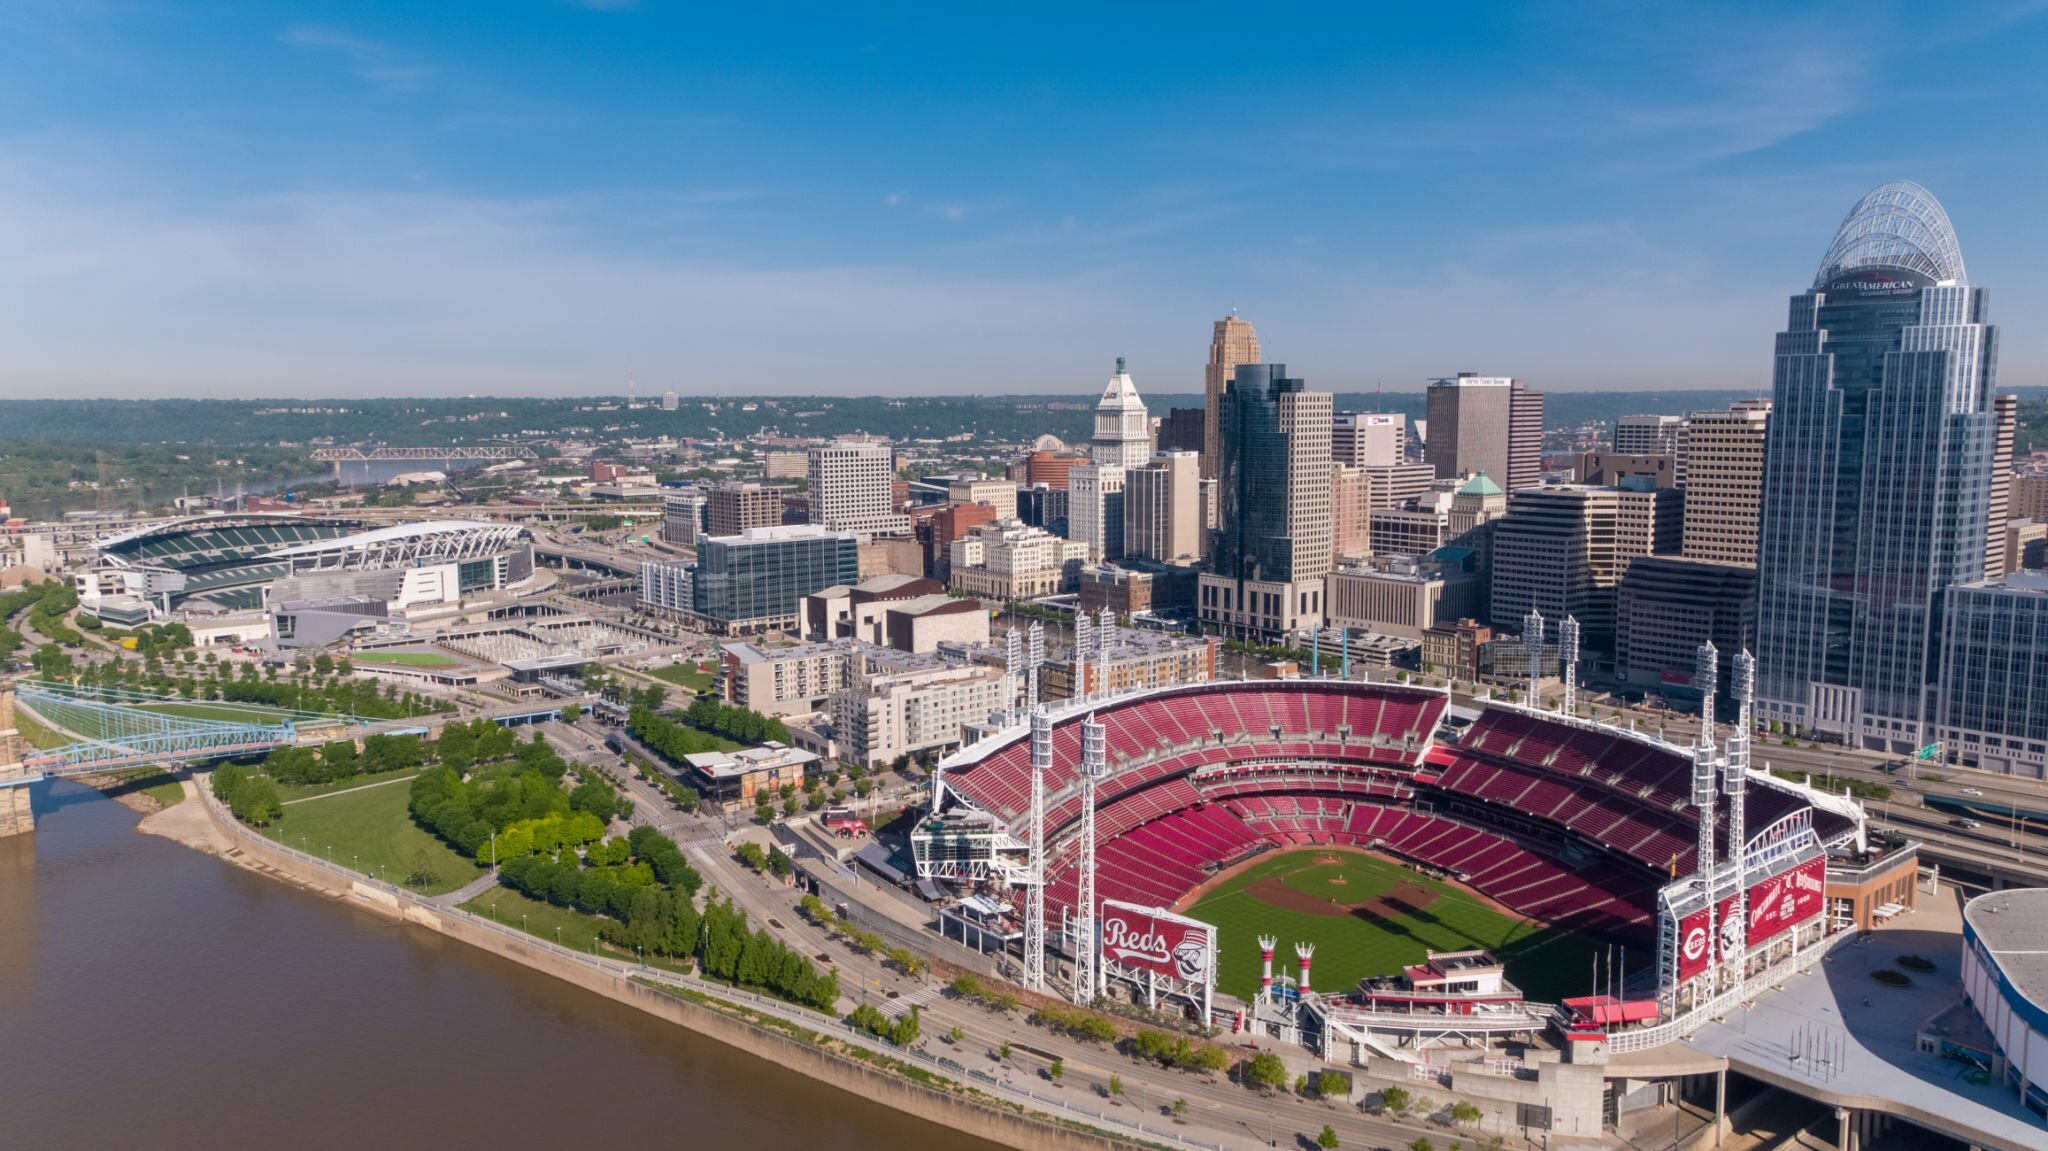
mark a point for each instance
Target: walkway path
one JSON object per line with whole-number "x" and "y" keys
{"x": 467, "y": 891}
{"x": 348, "y": 790}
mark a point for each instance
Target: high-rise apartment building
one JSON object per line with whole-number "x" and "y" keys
{"x": 1163, "y": 509}
{"x": 1724, "y": 481}
{"x": 1561, "y": 551}
{"x": 1350, "y": 513}
{"x": 2026, "y": 497}
{"x": 682, "y": 515}
{"x": 853, "y": 488}
{"x": 1268, "y": 558}
{"x": 1488, "y": 424}
{"x": 733, "y": 507}
{"x": 1647, "y": 435}
{"x": 1233, "y": 343}
{"x": 1877, "y": 475}
{"x": 1368, "y": 439}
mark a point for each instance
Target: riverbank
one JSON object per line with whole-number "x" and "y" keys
{"x": 747, "y": 1023}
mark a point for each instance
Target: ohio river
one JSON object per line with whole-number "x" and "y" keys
{"x": 152, "y": 996}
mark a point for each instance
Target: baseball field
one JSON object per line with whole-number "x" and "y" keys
{"x": 1368, "y": 915}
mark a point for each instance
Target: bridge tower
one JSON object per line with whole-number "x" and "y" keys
{"x": 16, "y": 817}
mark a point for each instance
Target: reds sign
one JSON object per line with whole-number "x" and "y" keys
{"x": 1787, "y": 900}
{"x": 1776, "y": 904}
{"x": 1151, "y": 939}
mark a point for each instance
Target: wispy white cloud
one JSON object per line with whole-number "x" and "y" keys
{"x": 388, "y": 68}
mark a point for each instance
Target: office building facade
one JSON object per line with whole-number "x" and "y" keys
{"x": 1490, "y": 424}
{"x": 1667, "y": 606}
{"x": 853, "y": 488}
{"x": 1724, "y": 482}
{"x": 732, "y": 507}
{"x": 1162, "y": 508}
{"x": 1647, "y": 435}
{"x": 1877, "y": 475}
{"x": 1561, "y": 551}
{"x": 1992, "y": 704}
{"x": 1268, "y": 558}
{"x": 1368, "y": 439}
{"x": 756, "y": 581}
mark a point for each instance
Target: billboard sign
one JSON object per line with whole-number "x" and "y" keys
{"x": 1776, "y": 905}
{"x": 1153, "y": 939}
{"x": 1787, "y": 900}
{"x": 1875, "y": 283}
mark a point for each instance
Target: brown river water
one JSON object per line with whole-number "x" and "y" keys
{"x": 155, "y": 997}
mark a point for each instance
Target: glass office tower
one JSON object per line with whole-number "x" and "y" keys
{"x": 1877, "y": 474}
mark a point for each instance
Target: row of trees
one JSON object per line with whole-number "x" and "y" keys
{"x": 668, "y": 737}
{"x": 734, "y": 723}
{"x": 209, "y": 679}
{"x": 253, "y": 799}
{"x": 732, "y": 952}
{"x": 902, "y": 1030}
{"x": 466, "y": 813}
{"x": 338, "y": 761}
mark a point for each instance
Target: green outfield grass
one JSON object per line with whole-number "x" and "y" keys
{"x": 406, "y": 658}
{"x": 369, "y": 829}
{"x": 686, "y": 675}
{"x": 1422, "y": 915}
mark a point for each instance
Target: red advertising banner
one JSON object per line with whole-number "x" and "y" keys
{"x": 1776, "y": 905}
{"x": 1787, "y": 900}
{"x": 1150, "y": 939}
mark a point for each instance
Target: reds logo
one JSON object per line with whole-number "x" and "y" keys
{"x": 1118, "y": 938}
{"x": 1696, "y": 943}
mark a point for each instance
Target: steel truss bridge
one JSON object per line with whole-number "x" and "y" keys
{"x": 472, "y": 452}
{"x": 117, "y": 728}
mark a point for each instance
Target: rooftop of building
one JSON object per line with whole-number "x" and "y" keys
{"x": 2013, "y": 928}
{"x": 780, "y": 532}
{"x": 1479, "y": 485}
{"x": 1898, "y": 224}
{"x": 767, "y": 757}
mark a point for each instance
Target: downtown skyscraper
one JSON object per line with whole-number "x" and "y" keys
{"x": 1233, "y": 343}
{"x": 1270, "y": 554}
{"x": 1877, "y": 474}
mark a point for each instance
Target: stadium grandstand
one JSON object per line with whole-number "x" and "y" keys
{"x": 226, "y": 562}
{"x": 1572, "y": 823}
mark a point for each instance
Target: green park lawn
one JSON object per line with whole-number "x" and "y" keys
{"x": 1546, "y": 963}
{"x": 223, "y": 712}
{"x": 154, "y": 782}
{"x": 369, "y": 830}
{"x": 406, "y": 658}
{"x": 295, "y": 792}
{"x": 540, "y": 918}
{"x": 686, "y": 675}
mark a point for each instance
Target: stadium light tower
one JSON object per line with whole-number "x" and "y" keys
{"x": 1706, "y": 673}
{"x": 1084, "y": 651}
{"x": 1013, "y": 670}
{"x": 1734, "y": 779}
{"x": 1568, "y": 661}
{"x": 1093, "y": 764}
{"x": 1034, "y": 895}
{"x": 1532, "y": 646}
{"x": 1034, "y": 654}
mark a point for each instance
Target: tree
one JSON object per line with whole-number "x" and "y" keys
{"x": 1396, "y": 1100}
{"x": 1303, "y": 1087}
{"x": 571, "y": 713}
{"x": 1465, "y": 1111}
{"x": 421, "y": 871}
{"x": 1003, "y": 1053}
{"x": 1422, "y": 1143}
{"x": 1328, "y": 1139}
{"x": 1058, "y": 1070}
{"x": 954, "y": 1036}
{"x": 1180, "y": 1108}
{"x": 1116, "y": 1086}
{"x": 1266, "y": 1071}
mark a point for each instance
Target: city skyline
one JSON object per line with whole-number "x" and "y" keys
{"x": 380, "y": 201}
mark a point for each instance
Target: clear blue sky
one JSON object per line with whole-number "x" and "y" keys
{"x": 391, "y": 196}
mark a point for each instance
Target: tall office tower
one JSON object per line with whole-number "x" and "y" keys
{"x": 1525, "y": 438}
{"x": 1163, "y": 508}
{"x": 1724, "y": 481}
{"x": 1268, "y": 559}
{"x": 1095, "y": 509}
{"x": 1233, "y": 343}
{"x": 852, "y": 488}
{"x": 1647, "y": 435}
{"x": 1877, "y": 474}
{"x": 1350, "y": 512}
{"x": 1182, "y": 429}
{"x": 2026, "y": 497}
{"x": 2007, "y": 408}
{"x": 1123, "y": 429}
{"x": 1488, "y": 424}
{"x": 1368, "y": 439}
{"x": 732, "y": 507}
{"x": 1562, "y": 550}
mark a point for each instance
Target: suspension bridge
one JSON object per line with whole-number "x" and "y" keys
{"x": 115, "y": 728}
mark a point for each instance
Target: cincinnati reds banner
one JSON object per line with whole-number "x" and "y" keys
{"x": 1787, "y": 900}
{"x": 1153, "y": 939}
{"x": 1776, "y": 905}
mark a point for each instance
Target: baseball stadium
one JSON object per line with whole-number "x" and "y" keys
{"x": 1348, "y": 822}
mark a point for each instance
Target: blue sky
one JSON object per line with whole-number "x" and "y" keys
{"x": 533, "y": 196}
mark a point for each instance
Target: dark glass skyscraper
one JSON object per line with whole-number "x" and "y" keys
{"x": 1877, "y": 474}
